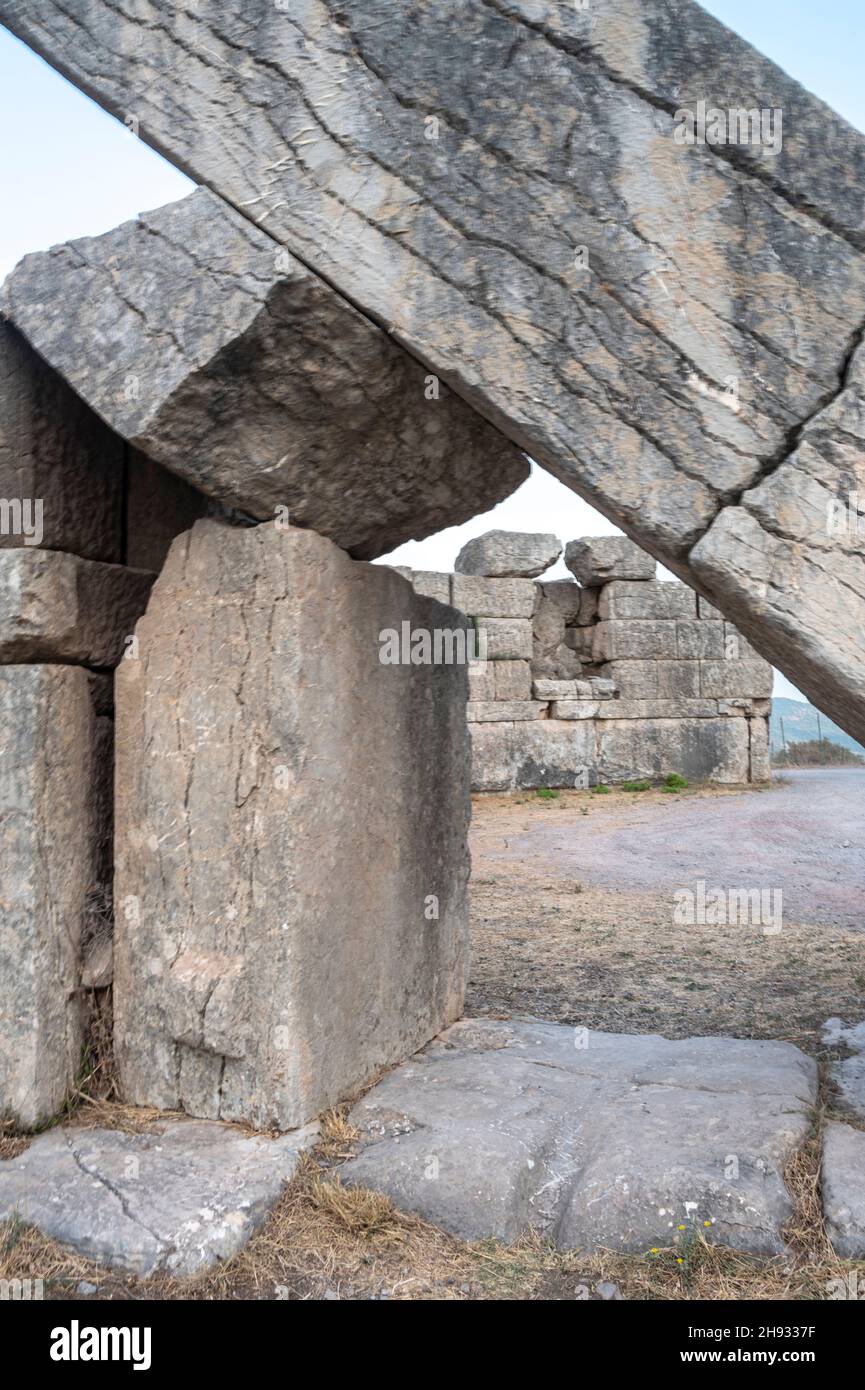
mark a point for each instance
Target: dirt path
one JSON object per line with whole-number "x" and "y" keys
{"x": 572, "y": 908}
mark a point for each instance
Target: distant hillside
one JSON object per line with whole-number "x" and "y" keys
{"x": 800, "y": 725}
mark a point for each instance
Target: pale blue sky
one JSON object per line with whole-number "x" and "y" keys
{"x": 67, "y": 169}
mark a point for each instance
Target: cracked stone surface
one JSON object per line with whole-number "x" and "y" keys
{"x": 178, "y": 1199}
{"x": 597, "y": 1140}
{"x": 843, "y": 1175}
{"x": 55, "y": 777}
{"x": 672, "y": 330}
{"x": 57, "y": 607}
{"x": 848, "y": 1073}
{"x": 285, "y": 929}
{"x": 214, "y": 351}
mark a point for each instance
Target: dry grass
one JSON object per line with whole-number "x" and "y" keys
{"x": 326, "y": 1240}
{"x": 547, "y": 945}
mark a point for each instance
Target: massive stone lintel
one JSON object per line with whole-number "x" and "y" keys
{"x": 54, "y": 778}
{"x": 214, "y": 351}
{"x": 656, "y": 322}
{"x": 284, "y": 928}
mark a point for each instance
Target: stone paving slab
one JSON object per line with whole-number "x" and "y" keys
{"x": 844, "y": 1189}
{"x": 177, "y": 1199}
{"x": 596, "y": 1140}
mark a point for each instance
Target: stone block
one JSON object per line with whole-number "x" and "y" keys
{"x": 494, "y": 598}
{"x": 562, "y": 690}
{"x": 249, "y": 377}
{"x": 707, "y": 611}
{"x": 539, "y": 753}
{"x": 596, "y": 560}
{"x": 761, "y": 764}
{"x": 737, "y": 647}
{"x": 482, "y": 680}
{"x": 659, "y": 708}
{"x": 55, "y": 774}
{"x": 284, "y": 931}
{"x": 60, "y": 608}
{"x": 513, "y": 680}
{"x": 655, "y": 598}
{"x": 844, "y": 1189}
{"x": 432, "y": 584}
{"x": 634, "y": 640}
{"x": 497, "y": 711}
{"x": 595, "y": 1146}
{"x": 703, "y": 750}
{"x": 574, "y": 709}
{"x": 507, "y": 639}
{"x": 721, "y": 679}
{"x": 508, "y": 555}
{"x": 61, "y": 468}
{"x": 699, "y": 640}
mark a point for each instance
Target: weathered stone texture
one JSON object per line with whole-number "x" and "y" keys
{"x": 843, "y": 1173}
{"x": 619, "y": 640}
{"x": 599, "y": 560}
{"x": 178, "y": 1198}
{"x": 507, "y": 639}
{"x": 653, "y": 598}
{"x": 55, "y": 450}
{"x": 539, "y": 753}
{"x": 598, "y": 1141}
{"x": 283, "y": 929}
{"x": 494, "y": 598}
{"x": 54, "y": 765}
{"x": 703, "y": 750}
{"x": 222, "y": 357}
{"x": 57, "y": 607}
{"x": 508, "y": 554}
{"x": 693, "y": 386}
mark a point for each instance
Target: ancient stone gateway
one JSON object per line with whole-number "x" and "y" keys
{"x": 672, "y": 328}
{"x": 423, "y": 248}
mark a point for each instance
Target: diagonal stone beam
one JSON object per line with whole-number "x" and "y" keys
{"x": 213, "y": 350}
{"x": 499, "y": 183}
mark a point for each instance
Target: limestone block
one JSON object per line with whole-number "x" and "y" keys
{"x": 592, "y": 1145}
{"x": 513, "y": 680}
{"x": 57, "y": 607}
{"x": 699, "y": 640}
{"x": 707, "y": 611}
{"x": 761, "y": 765}
{"x": 54, "y": 778}
{"x": 220, "y": 355}
{"x": 432, "y": 584}
{"x": 603, "y": 688}
{"x": 649, "y": 680}
{"x": 737, "y": 647}
{"x": 284, "y": 930}
{"x": 482, "y": 680}
{"x": 633, "y": 640}
{"x": 562, "y": 690}
{"x": 495, "y": 711}
{"x": 508, "y": 554}
{"x": 574, "y": 709}
{"x": 844, "y": 1189}
{"x": 507, "y": 639}
{"x": 655, "y": 598}
{"x": 703, "y": 750}
{"x": 540, "y": 753}
{"x": 494, "y": 598}
{"x": 596, "y": 560}
{"x": 660, "y": 708}
{"x": 559, "y": 607}
{"x": 56, "y": 452}
{"x": 721, "y": 679}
